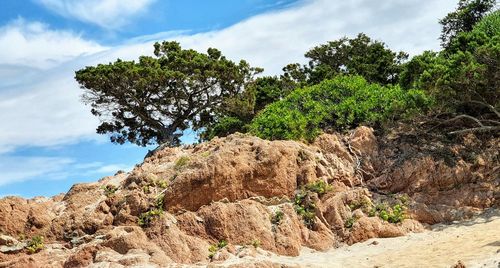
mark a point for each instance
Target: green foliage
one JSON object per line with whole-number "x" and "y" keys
{"x": 156, "y": 98}
{"x": 305, "y": 208}
{"x": 159, "y": 201}
{"x": 216, "y": 247}
{"x": 349, "y": 222}
{"x": 239, "y": 110}
{"x": 109, "y": 190}
{"x": 146, "y": 218}
{"x": 342, "y": 103}
{"x": 467, "y": 70}
{"x": 395, "y": 214}
{"x": 357, "y": 56}
{"x": 303, "y": 204}
{"x": 463, "y": 19}
{"x": 35, "y": 244}
{"x": 225, "y": 126}
{"x": 277, "y": 217}
{"x": 364, "y": 203}
{"x": 256, "y": 243}
{"x": 154, "y": 184}
{"x": 269, "y": 89}
{"x": 320, "y": 187}
{"x": 181, "y": 162}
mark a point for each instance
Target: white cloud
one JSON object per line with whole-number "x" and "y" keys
{"x": 33, "y": 44}
{"x": 43, "y": 108}
{"x": 113, "y": 168}
{"x": 272, "y": 40}
{"x": 104, "y": 13}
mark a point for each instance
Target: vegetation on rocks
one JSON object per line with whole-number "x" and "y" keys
{"x": 35, "y": 244}
{"x": 343, "y": 185}
{"x": 214, "y": 248}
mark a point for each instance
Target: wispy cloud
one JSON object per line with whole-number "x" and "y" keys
{"x": 34, "y": 44}
{"x": 15, "y": 169}
{"x": 18, "y": 169}
{"x": 108, "y": 14}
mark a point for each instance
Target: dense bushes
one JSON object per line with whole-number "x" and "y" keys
{"x": 342, "y": 103}
{"x": 467, "y": 70}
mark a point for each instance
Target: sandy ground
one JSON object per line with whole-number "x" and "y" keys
{"x": 476, "y": 243}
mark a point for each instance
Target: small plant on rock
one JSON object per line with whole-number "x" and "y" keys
{"x": 395, "y": 214}
{"x": 35, "y": 244}
{"x": 216, "y": 247}
{"x": 305, "y": 208}
{"x": 363, "y": 203}
{"x": 277, "y": 217}
{"x": 146, "y": 218}
{"x": 256, "y": 243}
{"x": 109, "y": 189}
{"x": 349, "y": 222}
{"x": 320, "y": 187}
{"x": 181, "y": 162}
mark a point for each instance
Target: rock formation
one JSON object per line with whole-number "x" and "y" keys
{"x": 241, "y": 196}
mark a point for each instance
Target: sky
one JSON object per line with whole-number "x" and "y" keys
{"x": 47, "y": 135}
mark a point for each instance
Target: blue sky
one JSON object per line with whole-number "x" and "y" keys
{"x": 47, "y": 136}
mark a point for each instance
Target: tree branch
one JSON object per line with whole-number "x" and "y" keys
{"x": 476, "y": 129}
{"x": 489, "y": 106}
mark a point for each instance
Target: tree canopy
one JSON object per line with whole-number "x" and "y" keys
{"x": 357, "y": 56}
{"x": 463, "y": 19}
{"x": 346, "y": 82}
{"x": 154, "y": 99}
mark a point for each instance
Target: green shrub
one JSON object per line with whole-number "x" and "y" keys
{"x": 364, "y": 203}
{"x": 214, "y": 248}
{"x": 146, "y": 218}
{"x": 154, "y": 184}
{"x": 320, "y": 187}
{"x": 181, "y": 162}
{"x": 109, "y": 189}
{"x": 305, "y": 209}
{"x": 255, "y": 243}
{"x": 342, "y": 103}
{"x": 277, "y": 217}
{"x": 349, "y": 222}
{"x": 35, "y": 244}
{"x": 395, "y": 214}
{"x": 225, "y": 126}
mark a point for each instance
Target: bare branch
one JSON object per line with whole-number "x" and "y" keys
{"x": 490, "y": 107}
{"x": 475, "y": 130}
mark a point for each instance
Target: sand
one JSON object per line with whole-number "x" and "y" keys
{"x": 476, "y": 243}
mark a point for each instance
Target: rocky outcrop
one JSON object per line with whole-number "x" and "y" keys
{"x": 243, "y": 196}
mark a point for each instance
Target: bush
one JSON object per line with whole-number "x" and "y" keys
{"x": 395, "y": 214}
{"x": 35, "y": 244}
{"x": 109, "y": 189}
{"x": 214, "y": 248}
{"x": 277, "y": 217}
{"x": 181, "y": 162}
{"x": 146, "y": 218}
{"x": 349, "y": 222}
{"x": 305, "y": 208}
{"x": 320, "y": 187}
{"x": 467, "y": 70}
{"x": 225, "y": 126}
{"x": 342, "y": 103}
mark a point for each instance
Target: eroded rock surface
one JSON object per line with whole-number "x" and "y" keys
{"x": 243, "y": 196}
